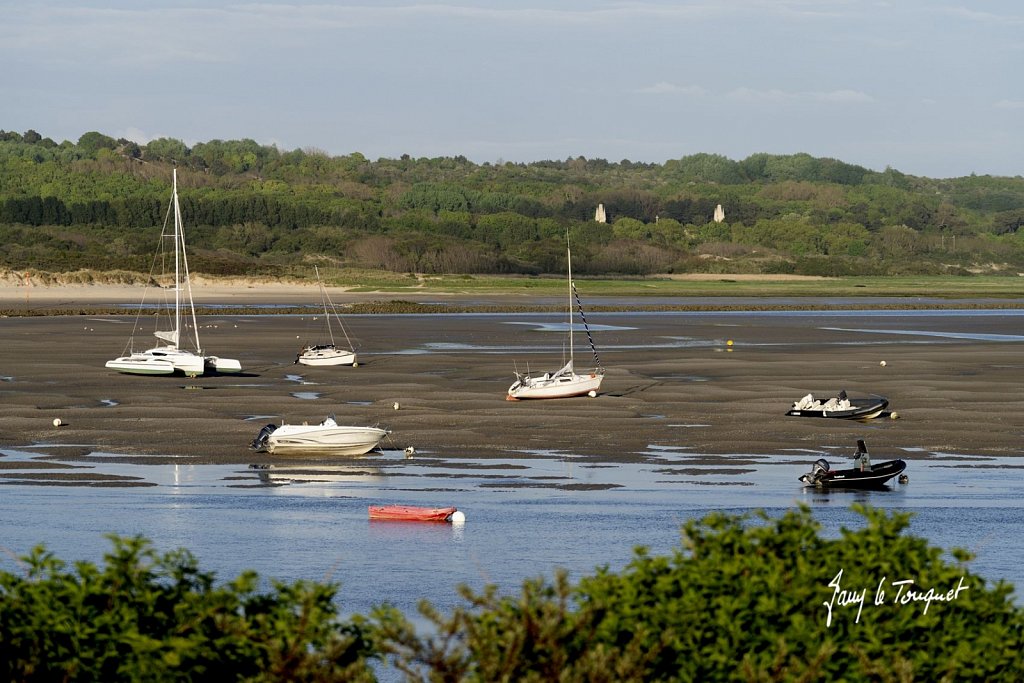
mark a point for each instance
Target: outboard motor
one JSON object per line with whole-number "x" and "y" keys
{"x": 260, "y": 442}
{"x": 818, "y": 470}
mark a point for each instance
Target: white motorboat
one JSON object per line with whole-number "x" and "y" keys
{"x": 170, "y": 357}
{"x": 566, "y": 382}
{"x": 327, "y": 353}
{"x": 326, "y": 437}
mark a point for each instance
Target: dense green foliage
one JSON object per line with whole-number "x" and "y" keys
{"x": 743, "y": 598}
{"x": 149, "y": 618}
{"x": 255, "y": 209}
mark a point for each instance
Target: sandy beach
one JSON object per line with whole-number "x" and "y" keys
{"x": 671, "y": 381}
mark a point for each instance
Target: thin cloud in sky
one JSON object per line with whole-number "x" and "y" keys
{"x": 754, "y": 95}
{"x": 665, "y": 88}
{"x": 844, "y": 97}
{"x": 519, "y": 81}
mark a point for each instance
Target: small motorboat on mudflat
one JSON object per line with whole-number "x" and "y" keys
{"x": 411, "y": 513}
{"x": 839, "y": 407}
{"x": 864, "y": 475}
{"x": 326, "y": 437}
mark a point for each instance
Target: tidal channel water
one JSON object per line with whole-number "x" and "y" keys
{"x": 296, "y": 523}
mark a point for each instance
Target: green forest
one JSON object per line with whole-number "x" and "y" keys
{"x": 98, "y": 204}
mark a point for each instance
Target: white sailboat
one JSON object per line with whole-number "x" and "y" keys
{"x": 170, "y": 357}
{"x": 566, "y": 382}
{"x": 328, "y": 353}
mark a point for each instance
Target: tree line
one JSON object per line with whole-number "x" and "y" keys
{"x": 252, "y": 207}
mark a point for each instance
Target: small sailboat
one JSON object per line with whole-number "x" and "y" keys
{"x": 326, "y": 437}
{"x": 565, "y": 382}
{"x": 328, "y": 353}
{"x": 170, "y": 357}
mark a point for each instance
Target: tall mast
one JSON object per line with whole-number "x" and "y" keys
{"x": 568, "y": 253}
{"x": 177, "y": 259}
{"x": 180, "y": 255}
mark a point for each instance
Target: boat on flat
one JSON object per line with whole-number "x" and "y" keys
{"x": 328, "y": 352}
{"x": 839, "y": 407}
{"x": 326, "y": 437}
{"x": 171, "y": 354}
{"x": 566, "y": 382}
{"x": 325, "y": 354}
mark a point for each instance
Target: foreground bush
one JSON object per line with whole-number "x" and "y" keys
{"x": 149, "y": 618}
{"x": 744, "y": 598}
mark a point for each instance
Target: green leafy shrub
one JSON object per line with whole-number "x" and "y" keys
{"x": 144, "y": 617}
{"x": 744, "y": 598}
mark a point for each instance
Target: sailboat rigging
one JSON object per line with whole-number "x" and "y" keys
{"x": 328, "y": 353}
{"x": 565, "y": 382}
{"x": 170, "y": 357}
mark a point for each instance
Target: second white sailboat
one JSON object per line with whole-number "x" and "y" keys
{"x": 565, "y": 382}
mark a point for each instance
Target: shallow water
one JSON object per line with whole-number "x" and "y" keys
{"x": 527, "y": 514}
{"x": 630, "y": 330}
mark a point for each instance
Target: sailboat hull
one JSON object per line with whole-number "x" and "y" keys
{"x": 140, "y": 364}
{"x": 160, "y": 360}
{"x": 326, "y": 355}
{"x": 221, "y": 366}
{"x": 562, "y": 386}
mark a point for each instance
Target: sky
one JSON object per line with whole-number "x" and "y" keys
{"x": 928, "y": 87}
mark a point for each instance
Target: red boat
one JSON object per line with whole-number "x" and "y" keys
{"x": 409, "y": 513}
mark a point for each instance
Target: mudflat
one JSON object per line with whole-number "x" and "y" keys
{"x": 672, "y": 380}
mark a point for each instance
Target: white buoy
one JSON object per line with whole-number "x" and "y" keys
{"x": 355, "y": 365}
{"x": 397, "y": 406}
{"x": 458, "y": 517}
{"x": 882, "y": 363}
{"x": 57, "y": 422}
{"x": 592, "y": 394}
{"x": 409, "y": 450}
